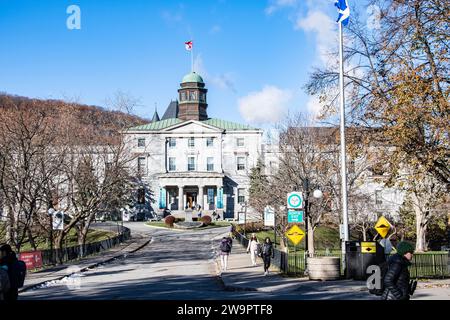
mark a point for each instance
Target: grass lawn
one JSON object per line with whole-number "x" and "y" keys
{"x": 92, "y": 236}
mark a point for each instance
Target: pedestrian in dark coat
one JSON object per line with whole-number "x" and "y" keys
{"x": 267, "y": 254}
{"x": 8, "y": 261}
{"x": 397, "y": 284}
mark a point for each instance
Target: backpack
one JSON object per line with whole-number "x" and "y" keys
{"x": 4, "y": 282}
{"x": 384, "y": 268}
{"x": 225, "y": 246}
{"x": 17, "y": 273}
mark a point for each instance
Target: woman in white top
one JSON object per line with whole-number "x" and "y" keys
{"x": 253, "y": 249}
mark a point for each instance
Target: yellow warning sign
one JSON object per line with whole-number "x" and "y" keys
{"x": 295, "y": 234}
{"x": 383, "y": 226}
{"x": 368, "y": 247}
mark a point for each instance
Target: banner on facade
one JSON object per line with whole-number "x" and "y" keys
{"x": 220, "y": 198}
{"x": 162, "y": 198}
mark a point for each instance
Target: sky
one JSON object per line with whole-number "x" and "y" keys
{"x": 254, "y": 55}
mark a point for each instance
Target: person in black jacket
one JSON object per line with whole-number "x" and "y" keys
{"x": 267, "y": 254}
{"x": 397, "y": 279}
{"x": 8, "y": 260}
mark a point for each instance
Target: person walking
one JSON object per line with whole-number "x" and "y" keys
{"x": 225, "y": 250}
{"x": 4, "y": 282}
{"x": 267, "y": 254}
{"x": 16, "y": 271}
{"x": 252, "y": 247}
{"x": 397, "y": 284}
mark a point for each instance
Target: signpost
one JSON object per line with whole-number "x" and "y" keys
{"x": 58, "y": 220}
{"x": 295, "y": 200}
{"x": 295, "y": 216}
{"x": 33, "y": 260}
{"x": 383, "y": 226}
{"x": 295, "y": 234}
{"x": 368, "y": 247}
{"x": 269, "y": 217}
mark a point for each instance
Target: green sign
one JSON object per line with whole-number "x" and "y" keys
{"x": 295, "y": 200}
{"x": 295, "y": 216}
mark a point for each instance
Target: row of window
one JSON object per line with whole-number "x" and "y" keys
{"x": 240, "y": 161}
{"x": 192, "y": 96}
{"x": 191, "y": 142}
{"x": 209, "y": 164}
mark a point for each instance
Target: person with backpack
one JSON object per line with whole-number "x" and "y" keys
{"x": 252, "y": 247}
{"x": 267, "y": 254}
{"x": 16, "y": 271}
{"x": 225, "y": 250}
{"x": 397, "y": 282}
{"x": 4, "y": 282}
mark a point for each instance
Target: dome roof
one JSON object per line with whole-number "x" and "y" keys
{"x": 192, "y": 77}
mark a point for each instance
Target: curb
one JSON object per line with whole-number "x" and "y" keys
{"x": 89, "y": 267}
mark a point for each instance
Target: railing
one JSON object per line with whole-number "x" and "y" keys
{"x": 50, "y": 257}
{"x": 424, "y": 265}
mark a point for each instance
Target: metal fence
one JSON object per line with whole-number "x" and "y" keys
{"x": 424, "y": 265}
{"x": 50, "y": 257}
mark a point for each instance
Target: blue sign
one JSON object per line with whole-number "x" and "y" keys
{"x": 295, "y": 216}
{"x": 220, "y": 198}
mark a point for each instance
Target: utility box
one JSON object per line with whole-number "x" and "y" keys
{"x": 361, "y": 255}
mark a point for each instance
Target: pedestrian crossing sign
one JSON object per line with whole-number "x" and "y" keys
{"x": 295, "y": 234}
{"x": 382, "y": 226}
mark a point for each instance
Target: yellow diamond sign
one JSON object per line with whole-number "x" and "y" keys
{"x": 295, "y": 234}
{"x": 383, "y": 226}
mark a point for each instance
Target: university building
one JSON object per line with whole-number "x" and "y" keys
{"x": 187, "y": 158}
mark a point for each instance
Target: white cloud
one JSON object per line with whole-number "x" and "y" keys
{"x": 215, "y": 29}
{"x": 223, "y": 81}
{"x": 279, "y": 4}
{"x": 265, "y": 106}
{"x": 324, "y": 29}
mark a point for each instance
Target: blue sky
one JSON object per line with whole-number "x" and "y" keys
{"x": 254, "y": 55}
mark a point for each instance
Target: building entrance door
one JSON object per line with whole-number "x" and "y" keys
{"x": 191, "y": 199}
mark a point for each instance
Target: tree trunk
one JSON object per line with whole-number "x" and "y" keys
{"x": 31, "y": 239}
{"x": 421, "y": 224}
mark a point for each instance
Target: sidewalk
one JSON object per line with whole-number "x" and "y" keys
{"x": 242, "y": 276}
{"x": 34, "y": 279}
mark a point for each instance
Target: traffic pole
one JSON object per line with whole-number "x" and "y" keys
{"x": 343, "y": 146}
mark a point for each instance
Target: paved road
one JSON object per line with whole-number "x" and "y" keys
{"x": 175, "y": 265}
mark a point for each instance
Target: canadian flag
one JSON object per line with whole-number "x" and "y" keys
{"x": 188, "y": 45}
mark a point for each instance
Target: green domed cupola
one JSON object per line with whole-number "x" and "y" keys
{"x": 192, "y": 77}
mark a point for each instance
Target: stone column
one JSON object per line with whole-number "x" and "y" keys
{"x": 236, "y": 208}
{"x": 180, "y": 198}
{"x": 201, "y": 197}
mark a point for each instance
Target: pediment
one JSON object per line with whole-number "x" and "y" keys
{"x": 192, "y": 126}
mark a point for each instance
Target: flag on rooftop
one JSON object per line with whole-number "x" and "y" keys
{"x": 188, "y": 45}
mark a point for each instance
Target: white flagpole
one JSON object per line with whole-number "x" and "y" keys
{"x": 192, "y": 58}
{"x": 343, "y": 147}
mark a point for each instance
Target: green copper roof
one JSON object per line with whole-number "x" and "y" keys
{"x": 159, "y": 125}
{"x": 218, "y": 123}
{"x": 227, "y": 125}
{"x": 192, "y": 77}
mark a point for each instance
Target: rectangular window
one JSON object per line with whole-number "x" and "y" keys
{"x": 172, "y": 165}
{"x": 191, "y": 142}
{"x": 241, "y": 196}
{"x": 141, "y": 166}
{"x": 209, "y": 142}
{"x": 141, "y": 142}
{"x": 172, "y": 142}
{"x": 191, "y": 163}
{"x": 241, "y": 163}
{"x": 378, "y": 199}
{"x": 210, "y": 193}
{"x": 240, "y": 142}
{"x": 210, "y": 164}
